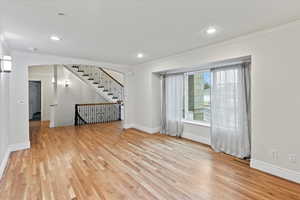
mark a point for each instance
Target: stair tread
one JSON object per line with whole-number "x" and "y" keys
{"x": 99, "y": 83}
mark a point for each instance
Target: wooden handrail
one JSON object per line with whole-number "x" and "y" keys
{"x": 94, "y": 104}
{"x": 111, "y": 77}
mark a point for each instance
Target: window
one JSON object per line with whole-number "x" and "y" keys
{"x": 5, "y": 64}
{"x": 197, "y": 96}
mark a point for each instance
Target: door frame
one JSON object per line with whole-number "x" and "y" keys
{"x": 41, "y": 96}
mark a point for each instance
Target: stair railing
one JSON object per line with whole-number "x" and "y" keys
{"x": 115, "y": 86}
{"x": 104, "y": 80}
{"x": 97, "y": 113}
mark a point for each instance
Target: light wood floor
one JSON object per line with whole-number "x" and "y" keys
{"x": 103, "y": 162}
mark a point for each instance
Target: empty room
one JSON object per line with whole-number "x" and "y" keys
{"x": 154, "y": 100}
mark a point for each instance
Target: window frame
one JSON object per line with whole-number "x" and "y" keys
{"x": 190, "y": 121}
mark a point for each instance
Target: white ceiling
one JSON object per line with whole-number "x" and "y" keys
{"x": 116, "y": 30}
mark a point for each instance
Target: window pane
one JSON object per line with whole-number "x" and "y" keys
{"x": 197, "y": 105}
{"x": 6, "y": 65}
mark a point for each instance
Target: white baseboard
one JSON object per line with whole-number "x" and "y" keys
{"x": 143, "y": 128}
{"x": 155, "y": 130}
{"x": 4, "y": 162}
{"x": 196, "y": 138}
{"x": 127, "y": 126}
{"x": 276, "y": 170}
{"x": 19, "y": 146}
{"x": 12, "y": 148}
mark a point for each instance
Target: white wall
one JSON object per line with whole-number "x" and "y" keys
{"x": 45, "y": 75}
{"x": 4, "y": 114}
{"x": 77, "y": 92}
{"x": 198, "y": 133}
{"x": 275, "y": 92}
{"x": 129, "y": 99}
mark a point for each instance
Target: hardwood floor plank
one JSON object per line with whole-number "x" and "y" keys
{"x": 102, "y": 161}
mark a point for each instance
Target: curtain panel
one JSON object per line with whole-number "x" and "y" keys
{"x": 230, "y": 110}
{"x": 172, "y": 104}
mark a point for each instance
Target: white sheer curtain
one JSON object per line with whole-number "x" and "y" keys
{"x": 172, "y": 104}
{"x": 230, "y": 132}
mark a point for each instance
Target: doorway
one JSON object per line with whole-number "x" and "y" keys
{"x": 34, "y": 100}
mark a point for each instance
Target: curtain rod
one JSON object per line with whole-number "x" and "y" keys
{"x": 208, "y": 67}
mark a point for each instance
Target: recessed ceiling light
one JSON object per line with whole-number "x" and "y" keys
{"x": 211, "y": 30}
{"x": 140, "y": 55}
{"x": 54, "y": 38}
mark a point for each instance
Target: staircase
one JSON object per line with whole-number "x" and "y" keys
{"x": 98, "y": 79}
